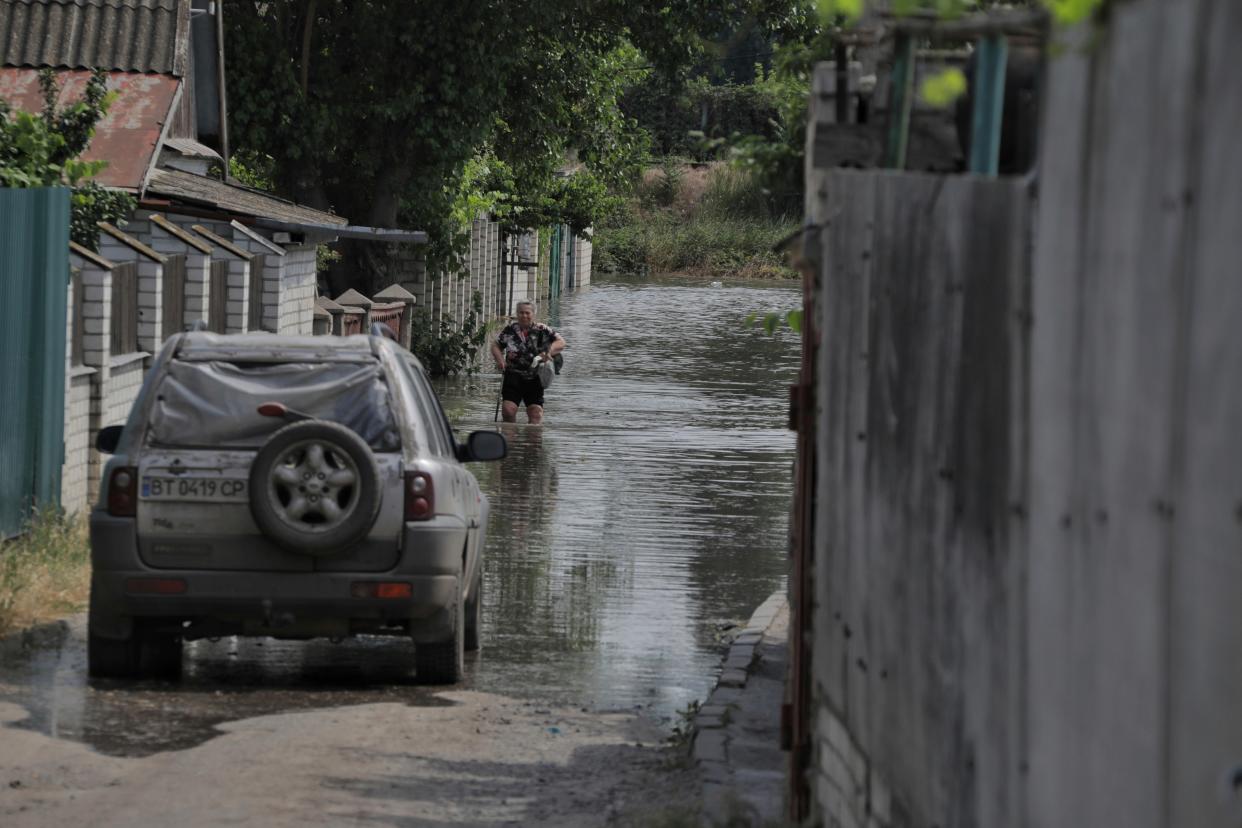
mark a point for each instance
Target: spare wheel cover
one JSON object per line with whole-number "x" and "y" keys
{"x": 314, "y": 488}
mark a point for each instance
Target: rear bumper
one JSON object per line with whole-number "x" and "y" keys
{"x": 300, "y": 604}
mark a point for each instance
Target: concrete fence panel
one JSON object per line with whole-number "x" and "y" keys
{"x": 1136, "y": 525}
{"x": 919, "y": 667}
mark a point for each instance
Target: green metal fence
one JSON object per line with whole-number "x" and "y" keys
{"x": 34, "y": 273}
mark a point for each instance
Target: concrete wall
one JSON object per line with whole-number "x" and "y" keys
{"x": 1028, "y": 503}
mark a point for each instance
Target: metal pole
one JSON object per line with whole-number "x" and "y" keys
{"x": 900, "y": 102}
{"x": 989, "y": 105}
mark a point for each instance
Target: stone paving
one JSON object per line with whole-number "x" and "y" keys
{"x": 737, "y": 730}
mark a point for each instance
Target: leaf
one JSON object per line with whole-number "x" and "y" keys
{"x": 770, "y": 321}
{"x": 831, "y": 9}
{"x": 1067, "y": 12}
{"x": 750, "y": 319}
{"x": 943, "y": 88}
{"x": 794, "y": 320}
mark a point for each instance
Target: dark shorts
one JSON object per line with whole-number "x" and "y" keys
{"x": 522, "y": 390}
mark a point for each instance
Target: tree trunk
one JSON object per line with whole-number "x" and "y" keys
{"x": 365, "y": 265}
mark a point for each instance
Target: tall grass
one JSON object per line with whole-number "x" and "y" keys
{"x": 715, "y": 223}
{"x": 45, "y": 572}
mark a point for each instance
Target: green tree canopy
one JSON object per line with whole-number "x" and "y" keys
{"x": 377, "y": 108}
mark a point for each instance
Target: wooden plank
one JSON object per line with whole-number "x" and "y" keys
{"x": 258, "y": 280}
{"x": 174, "y": 295}
{"x": 1206, "y": 614}
{"x": 1052, "y": 799}
{"x": 218, "y": 297}
{"x": 125, "y": 308}
{"x": 1100, "y": 559}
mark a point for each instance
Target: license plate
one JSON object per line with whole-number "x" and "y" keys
{"x": 215, "y": 489}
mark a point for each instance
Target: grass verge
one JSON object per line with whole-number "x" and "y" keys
{"x": 45, "y": 572}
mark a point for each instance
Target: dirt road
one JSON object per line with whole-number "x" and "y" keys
{"x": 456, "y": 757}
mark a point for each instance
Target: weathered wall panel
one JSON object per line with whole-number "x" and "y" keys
{"x": 1135, "y": 576}
{"x": 1029, "y": 493}
{"x": 919, "y": 587}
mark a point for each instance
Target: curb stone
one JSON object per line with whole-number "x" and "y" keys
{"x": 724, "y": 787}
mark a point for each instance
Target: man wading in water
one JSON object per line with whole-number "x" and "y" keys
{"x": 515, "y": 351}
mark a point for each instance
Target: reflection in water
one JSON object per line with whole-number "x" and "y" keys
{"x": 652, "y": 506}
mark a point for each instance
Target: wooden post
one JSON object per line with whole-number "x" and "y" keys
{"x": 989, "y": 105}
{"x": 900, "y": 102}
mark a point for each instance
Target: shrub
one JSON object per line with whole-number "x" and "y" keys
{"x": 447, "y": 348}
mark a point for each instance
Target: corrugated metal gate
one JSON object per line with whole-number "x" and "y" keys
{"x": 34, "y": 275}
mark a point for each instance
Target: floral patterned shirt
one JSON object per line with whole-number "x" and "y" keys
{"x": 521, "y": 348}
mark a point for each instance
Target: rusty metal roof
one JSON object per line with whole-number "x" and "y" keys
{"x": 121, "y": 35}
{"x": 211, "y": 192}
{"x": 127, "y": 136}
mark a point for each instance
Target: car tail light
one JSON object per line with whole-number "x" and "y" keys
{"x": 380, "y": 589}
{"x": 420, "y": 496}
{"x": 155, "y": 586}
{"x": 123, "y": 492}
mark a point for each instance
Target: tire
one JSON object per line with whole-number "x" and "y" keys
{"x": 315, "y": 488}
{"x": 474, "y": 613}
{"x": 444, "y": 662}
{"x": 160, "y": 655}
{"x": 112, "y": 657}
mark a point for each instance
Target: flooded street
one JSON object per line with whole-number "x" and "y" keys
{"x": 651, "y": 509}
{"x": 629, "y": 533}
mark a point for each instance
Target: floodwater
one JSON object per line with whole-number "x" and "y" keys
{"x": 647, "y": 516}
{"x": 651, "y": 509}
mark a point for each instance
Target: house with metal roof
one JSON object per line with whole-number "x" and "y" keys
{"x": 202, "y": 248}
{"x": 165, "y": 137}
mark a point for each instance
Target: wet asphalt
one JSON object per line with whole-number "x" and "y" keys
{"x": 629, "y": 533}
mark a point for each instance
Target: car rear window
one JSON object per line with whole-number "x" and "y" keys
{"x": 210, "y": 404}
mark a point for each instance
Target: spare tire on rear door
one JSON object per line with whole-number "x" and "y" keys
{"x": 314, "y": 488}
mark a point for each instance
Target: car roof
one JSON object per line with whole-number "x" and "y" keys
{"x": 201, "y": 345}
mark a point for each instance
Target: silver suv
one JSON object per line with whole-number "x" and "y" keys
{"x": 292, "y": 487}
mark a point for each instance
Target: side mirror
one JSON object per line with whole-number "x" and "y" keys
{"x": 108, "y": 438}
{"x": 483, "y": 445}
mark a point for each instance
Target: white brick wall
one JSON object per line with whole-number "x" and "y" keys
{"x": 150, "y": 305}
{"x": 297, "y": 307}
{"x": 122, "y": 388}
{"x": 238, "y": 306}
{"x": 847, "y": 789}
{"x": 73, "y": 473}
{"x": 74, "y": 490}
{"x": 197, "y": 265}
